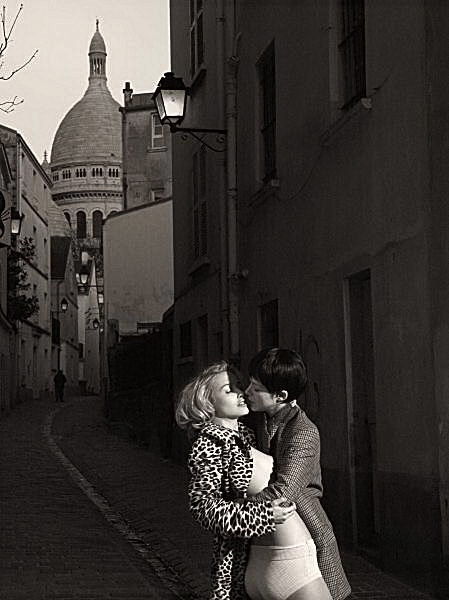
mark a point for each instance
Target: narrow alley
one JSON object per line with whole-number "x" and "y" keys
{"x": 87, "y": 514}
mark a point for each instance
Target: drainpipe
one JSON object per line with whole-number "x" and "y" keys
{"x": 224, "y": 310}
{"x": 231, "y": 171}
{"x": 19, "y": 329}
{"x": 58, "y": 285}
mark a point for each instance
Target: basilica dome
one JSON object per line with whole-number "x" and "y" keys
{"x": 86, "y": 156}
{"x": 91, "y": 130}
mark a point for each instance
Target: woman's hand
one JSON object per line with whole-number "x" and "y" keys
{"x": 282, "y": 509}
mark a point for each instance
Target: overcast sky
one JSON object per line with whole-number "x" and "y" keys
{"x": 136, "y": 33}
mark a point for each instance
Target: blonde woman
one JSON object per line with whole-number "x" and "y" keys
{"x": 225, "y": 470}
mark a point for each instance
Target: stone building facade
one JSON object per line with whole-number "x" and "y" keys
{"x": 31, "y": 195}
{"x": 7, "y": 329}
{"x": 147, "y": 175}
{"x": 333, "y": 204}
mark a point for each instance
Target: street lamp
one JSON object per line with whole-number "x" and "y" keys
{"x": 170, "y": 99}
{"x": 84, "y": 275}
{"x": 16, "y": 221}
{"x": 64, "y": 305}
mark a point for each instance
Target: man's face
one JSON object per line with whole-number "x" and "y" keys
{"x": 259, "y": 399}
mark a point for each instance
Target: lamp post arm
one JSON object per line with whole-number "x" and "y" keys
{"x": 175, "y": 129}
{"x": 193, "y": 132}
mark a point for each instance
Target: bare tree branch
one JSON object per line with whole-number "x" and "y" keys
{"x": 9, "y": 105}
{"x": 14, "y": 71}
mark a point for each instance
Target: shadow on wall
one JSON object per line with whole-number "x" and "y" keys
{"x": 139, "y": 403}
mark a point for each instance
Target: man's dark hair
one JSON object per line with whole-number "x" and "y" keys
{"x": 279, "y": 369}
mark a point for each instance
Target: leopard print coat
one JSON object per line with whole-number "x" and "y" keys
{"x": 221, "y": 466}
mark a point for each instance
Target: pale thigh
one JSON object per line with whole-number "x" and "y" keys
{"x": 278, "y": 573}
{"x": 315, "y": 590}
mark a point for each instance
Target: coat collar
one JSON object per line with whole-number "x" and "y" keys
{"x": 223, "y": 434}
{"x": 283, "y": 415}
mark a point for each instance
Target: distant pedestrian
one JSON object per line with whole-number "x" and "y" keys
{"x": 59, "y": 381}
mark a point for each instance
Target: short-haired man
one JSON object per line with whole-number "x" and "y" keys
{"x": 277, "y": 379}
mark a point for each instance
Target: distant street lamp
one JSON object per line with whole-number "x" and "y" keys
{"x": 84, "y": 275}
{"x": 16, "y": 221}
{"x": 64, "y": 305}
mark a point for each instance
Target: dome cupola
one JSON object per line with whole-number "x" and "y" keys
{"x": 97, "y": 56}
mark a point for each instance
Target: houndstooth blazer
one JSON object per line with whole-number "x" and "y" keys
{"x": 294, "y": 442}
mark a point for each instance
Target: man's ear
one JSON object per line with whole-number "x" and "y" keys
{"x": 282, "y": 396}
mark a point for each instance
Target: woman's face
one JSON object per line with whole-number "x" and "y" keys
{"x": 227, "y": 397}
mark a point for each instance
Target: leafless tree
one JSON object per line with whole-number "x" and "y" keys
{"x": 5, "y": 40}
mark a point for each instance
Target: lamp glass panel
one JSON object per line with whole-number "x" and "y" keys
{"x": 15, "y": 226}
{"x": 160, "y": 106}
{"x": 174, "y": 101}
{"x": 16, "y": 221}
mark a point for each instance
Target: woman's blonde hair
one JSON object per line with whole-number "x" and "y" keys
{"x": 195, "y": 407}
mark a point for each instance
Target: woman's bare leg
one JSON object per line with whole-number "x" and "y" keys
{"x": 315, "y": 590}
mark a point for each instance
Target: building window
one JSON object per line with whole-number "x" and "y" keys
{"x": 113, "y": 172}
{"x": 67, "y": 174}
{"x": 97, "y": 172}
{"x": 199, "y": 204}
{"x": 97, "y": 224}
{"x": 80, "y": 172}
{"x": 56, "y": 176}
{"x": 196, "y": 36}
{"x": 157, "y": 132}
{"x": 35, "y": 361}
{"x": 268, "y": 324}
{"x": 81, "y": 228}
{"x": 352, "y": 50}
{"x": 185, "y": 339}
{"x": 202, "y": 342}
{"x": 266, "y": 68}
{"x": 67, "y": 216}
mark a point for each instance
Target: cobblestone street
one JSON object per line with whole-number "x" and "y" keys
{"x": 88, "y": 515}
